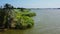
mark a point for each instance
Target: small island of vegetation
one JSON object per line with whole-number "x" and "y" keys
{"x": 15, "y": 18}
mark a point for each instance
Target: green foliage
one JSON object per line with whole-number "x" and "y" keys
{"x": 24, "y": 22}
{"x": 20, "y": 18}
{"x": 30, "y": 14}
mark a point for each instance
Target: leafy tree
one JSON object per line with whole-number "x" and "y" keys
{"x": 8, "y": 6}
{"x": 8, "y": 11}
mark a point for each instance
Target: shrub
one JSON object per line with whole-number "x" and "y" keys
{"x": 20, "y": 18}
{"x": 28, "y": 14}
{"x": 25, "y": 22}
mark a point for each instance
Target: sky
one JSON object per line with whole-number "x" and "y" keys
{"x": 32, "y": 3}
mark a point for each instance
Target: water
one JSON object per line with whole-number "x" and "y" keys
{"x": 47, "y": 21}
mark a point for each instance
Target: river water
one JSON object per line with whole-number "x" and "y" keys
{"x": 47, "y": 21}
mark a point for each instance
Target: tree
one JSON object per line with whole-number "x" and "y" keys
{"x": 8, "y": 6}
{"x": 8, "y": 11}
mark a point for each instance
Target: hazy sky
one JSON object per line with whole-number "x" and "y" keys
{"x": 33, "y": 3}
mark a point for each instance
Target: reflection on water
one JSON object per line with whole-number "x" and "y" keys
{"x": 46, "y": 22}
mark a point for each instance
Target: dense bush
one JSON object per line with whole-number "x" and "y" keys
{"x": 30, "y": 14}
{"x": 16, "y": 18}
{"x": 24, "y": 22}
